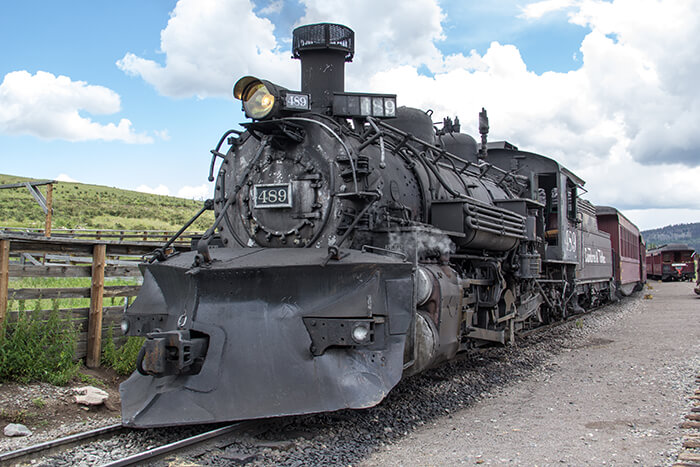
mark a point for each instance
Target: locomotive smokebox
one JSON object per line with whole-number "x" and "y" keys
{"x": 323, "y": 50}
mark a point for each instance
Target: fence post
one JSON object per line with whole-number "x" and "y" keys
{"x": 49, "y": 210}
{"x": 4, "y": 277}
{"x": 94, "y": 337}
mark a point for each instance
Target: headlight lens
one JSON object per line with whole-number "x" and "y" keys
{"x": 124, "y": 326}
{"x": 258, "y": 101}
{"x": 360, "y": 333}
{"x": 423, "y": 285}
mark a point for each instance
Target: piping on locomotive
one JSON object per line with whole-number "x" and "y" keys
{"x": 353, "y": 245}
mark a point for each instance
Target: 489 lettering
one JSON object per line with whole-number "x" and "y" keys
{"x": 273, "y": 196}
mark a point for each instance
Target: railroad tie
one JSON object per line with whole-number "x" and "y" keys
{"x": 689, "y": 457}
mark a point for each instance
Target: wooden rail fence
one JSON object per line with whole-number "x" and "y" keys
{"x": 148, "y": 236}
{"x": 32, "y": 255}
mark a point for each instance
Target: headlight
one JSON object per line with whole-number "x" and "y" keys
{"x": 258, "y": 101}
{"x": 261, "y": 99}
{"x": 264, "y": 100}
{"x": 360, "y": 333}
{"x": 124, "y": 326}
{"x": 423, "y": 285}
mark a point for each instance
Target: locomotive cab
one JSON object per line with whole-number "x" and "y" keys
{"x": 556, "y": 188}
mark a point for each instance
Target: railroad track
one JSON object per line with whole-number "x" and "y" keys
{"x": 60, "y": 446}
{"x": 55, "y": 445}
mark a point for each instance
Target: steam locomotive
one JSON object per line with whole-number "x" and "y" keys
{"x": 354, "y": 244}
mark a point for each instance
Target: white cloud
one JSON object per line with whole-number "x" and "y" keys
{"x": 642, "y": 60}
{"x": 49, "y": 107}
{"x": 623, "y": 182}
{"x": 537, "y": 10}
{"x": 384, "y": 37}
{"x": 162, "y": 134}
{"x": 204, "y": 54}
{"x": 66, "y": 178}
{"x": 159, "y": 190}
{"x": 200, "y": 192}
{"x": 208, "y": 45}
{"x": 647, "y": 219}
{"x": 274, "y": 7}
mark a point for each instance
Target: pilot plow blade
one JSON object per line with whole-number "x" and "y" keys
{"x": 264, "y": 333}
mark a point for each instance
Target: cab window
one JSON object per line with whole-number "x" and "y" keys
{"x": 570, "y": 200}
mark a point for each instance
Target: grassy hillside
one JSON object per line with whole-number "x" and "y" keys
{"x": 77, "y": 205}
{"x": 678, "y": 233}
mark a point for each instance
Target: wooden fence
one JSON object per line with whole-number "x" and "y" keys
{"x": 31, "y": 255}
{"x": 140, "y": 236}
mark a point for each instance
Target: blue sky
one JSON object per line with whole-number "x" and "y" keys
{"x": 133, "y": 94}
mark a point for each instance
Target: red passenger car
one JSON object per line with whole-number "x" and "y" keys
{"x": 671, "y": 262}
{"x": 697, "y": 273}
{"x": 628, "y": 249}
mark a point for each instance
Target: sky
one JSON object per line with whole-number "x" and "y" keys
{"x": 134, "y": 94}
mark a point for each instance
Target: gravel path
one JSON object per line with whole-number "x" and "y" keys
{"x": 615, "y": 399}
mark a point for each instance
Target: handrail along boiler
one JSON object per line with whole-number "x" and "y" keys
{"x": 354, "y": 244}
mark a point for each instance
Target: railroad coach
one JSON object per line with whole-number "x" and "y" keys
{"x": 628, "y": 249}
{"x": 697, "y": 272}
{"x": 671, "y": 262}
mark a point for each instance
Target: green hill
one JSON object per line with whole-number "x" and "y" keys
{"x": 77, "y": 205}
{"x": 677, "y": 233}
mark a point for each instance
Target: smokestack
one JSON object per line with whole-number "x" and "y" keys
{"x": 323, "y": 50}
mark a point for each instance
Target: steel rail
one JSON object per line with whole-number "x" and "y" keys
{"x": 48, "y": 445}
{"x": 46, "y": 448}
{"x": 150, "y": 454}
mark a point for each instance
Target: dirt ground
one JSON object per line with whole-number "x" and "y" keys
{"x": 617, "y": 400}
{"x": 50, "y": 411}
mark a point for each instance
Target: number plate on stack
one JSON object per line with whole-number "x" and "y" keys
{"x": 273, "y": 196}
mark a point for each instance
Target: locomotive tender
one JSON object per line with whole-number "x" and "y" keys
{"x": 353, "y": 245}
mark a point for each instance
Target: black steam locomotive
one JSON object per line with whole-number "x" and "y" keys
{"x": 354, "y": 244}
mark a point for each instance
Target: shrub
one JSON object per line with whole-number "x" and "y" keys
{"x": 122, "y": 359}
{"x": 33, "y": 349}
